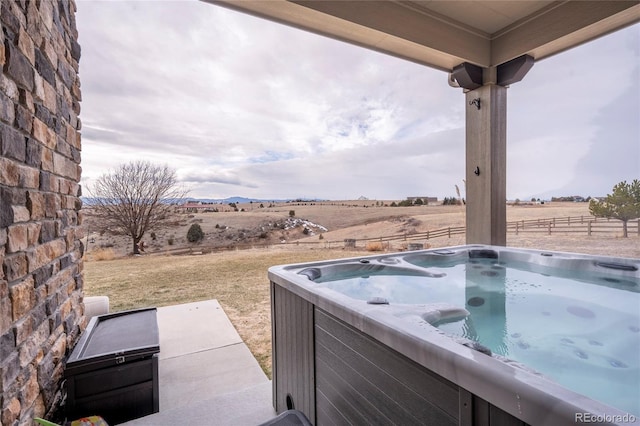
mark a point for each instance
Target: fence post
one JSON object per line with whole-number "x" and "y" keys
{"x": 449, "y": 231}
{"x": 550, "y": 227}
{"x": 589, "y": 228}
{"x": 516, "y": 228}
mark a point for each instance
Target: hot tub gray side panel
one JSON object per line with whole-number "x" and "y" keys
{"x": 362, "y": 381}
{"x": 369, "y": 383}
{"x": 478, "y": 412}
{"x": 293, "y": 352}
{"x": 338, "y": 375}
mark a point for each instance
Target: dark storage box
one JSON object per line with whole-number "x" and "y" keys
{"x": 113, "y": 370}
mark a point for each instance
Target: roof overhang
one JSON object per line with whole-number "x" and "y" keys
{"x": 444, "y": 34}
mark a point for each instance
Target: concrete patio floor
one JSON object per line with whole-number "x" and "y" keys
{"x": 207, "y": 375}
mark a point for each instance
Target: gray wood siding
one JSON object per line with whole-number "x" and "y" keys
{"x": 369, "y": 383}
{"x": 293, "y": 352}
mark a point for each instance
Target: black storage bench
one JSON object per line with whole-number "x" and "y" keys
{"x": 113, "y": 370}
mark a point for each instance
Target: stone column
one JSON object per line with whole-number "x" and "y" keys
{"x": 486, "y": 165}
{"x": 41, "y": 311}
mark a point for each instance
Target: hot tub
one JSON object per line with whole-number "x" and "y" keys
{"x": 463, "y": 335}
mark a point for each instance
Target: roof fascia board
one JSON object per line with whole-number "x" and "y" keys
{"x": 408, "y": 30}
{"x": 387, "y": 27}
{"x": 562, "y": 27}
{"x": 408, "y": 23}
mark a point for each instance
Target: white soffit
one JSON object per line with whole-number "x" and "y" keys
{"x": 442, "y": 34}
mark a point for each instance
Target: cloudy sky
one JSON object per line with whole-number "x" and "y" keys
{"x": 241, "y": 106}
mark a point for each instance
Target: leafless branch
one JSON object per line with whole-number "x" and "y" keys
{"x": 136, "y": 197}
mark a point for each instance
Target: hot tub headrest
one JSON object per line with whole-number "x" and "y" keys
{"x": 311, "y": 273}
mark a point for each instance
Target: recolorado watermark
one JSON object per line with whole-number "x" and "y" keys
{"x": 605, "y": 418}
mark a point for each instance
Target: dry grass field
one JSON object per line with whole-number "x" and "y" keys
{"x": 238, "y": 278}
{"x": 255, "y": 226}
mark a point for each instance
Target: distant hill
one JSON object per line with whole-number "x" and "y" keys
{"x": 237, "y": 200}
{"x": 242, "y": 200}
{"x": 89, "y": 201}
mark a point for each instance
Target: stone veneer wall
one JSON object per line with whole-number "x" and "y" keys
{"x": 41, "y": 311}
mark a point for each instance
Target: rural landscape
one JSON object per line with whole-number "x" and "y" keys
{"x": 240, "y": 241}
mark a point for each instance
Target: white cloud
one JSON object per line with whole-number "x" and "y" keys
{"x": 244, "y": 106}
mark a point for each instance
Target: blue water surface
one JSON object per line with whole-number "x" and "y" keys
{"x": 581, "y": 331}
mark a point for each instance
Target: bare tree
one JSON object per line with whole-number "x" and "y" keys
{"x": 136, "y": 197}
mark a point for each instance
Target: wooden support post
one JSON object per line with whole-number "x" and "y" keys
{"x": 486, "y": 165}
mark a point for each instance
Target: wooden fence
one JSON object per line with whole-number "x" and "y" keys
{"x": 586, "y": 225}
{"x": 406, "y": 236}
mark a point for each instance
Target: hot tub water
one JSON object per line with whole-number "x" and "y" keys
{"x": 579, "y": 329}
